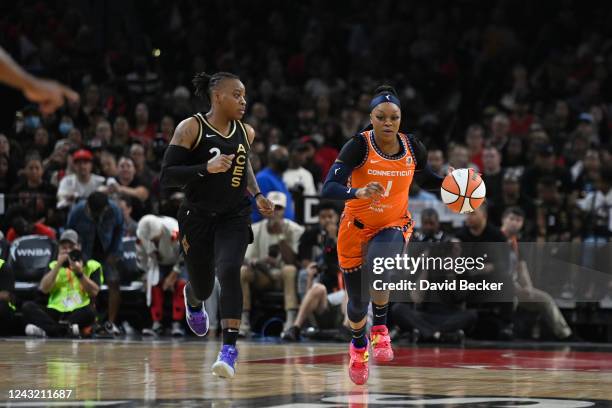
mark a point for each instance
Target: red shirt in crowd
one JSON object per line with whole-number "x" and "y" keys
{"x": 145, "y": 136}
{"x": 39, "y": 229}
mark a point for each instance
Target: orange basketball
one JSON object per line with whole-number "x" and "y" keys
{"x": 463, "y": 190}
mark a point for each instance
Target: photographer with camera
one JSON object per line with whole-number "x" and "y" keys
{"x": 71, "y": 284}
{"x": 270, "y": 260}
{"x": 324, "y": 292}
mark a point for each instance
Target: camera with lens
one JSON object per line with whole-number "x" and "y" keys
{"x": 75, "y": 255}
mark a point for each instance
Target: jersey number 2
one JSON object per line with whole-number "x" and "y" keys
{"x": 215, "y": 151}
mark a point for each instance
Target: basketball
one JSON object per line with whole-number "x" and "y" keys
{"x": 463, "y": 190}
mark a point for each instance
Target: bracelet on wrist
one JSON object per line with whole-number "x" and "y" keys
{"x": 256, "y": 194}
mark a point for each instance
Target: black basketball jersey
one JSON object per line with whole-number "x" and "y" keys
{"x": 221, "y": 193}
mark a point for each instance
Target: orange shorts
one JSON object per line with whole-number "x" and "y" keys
{"x": 354, "y": 236}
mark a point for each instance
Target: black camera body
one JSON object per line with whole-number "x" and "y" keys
{"x": 75, "y": 255}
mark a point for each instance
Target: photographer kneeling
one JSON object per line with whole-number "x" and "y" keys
{"x": 71, "y": 284}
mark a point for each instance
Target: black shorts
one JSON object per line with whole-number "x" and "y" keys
{"x": 198, "y": 230}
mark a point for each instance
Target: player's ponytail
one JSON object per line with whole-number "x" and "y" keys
{"x": 386, "y": 89}
{"x": 204, "y": 83}
{"x": 200, "y": 83}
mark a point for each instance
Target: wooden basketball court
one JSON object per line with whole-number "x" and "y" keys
{"x": 126, "y": 373}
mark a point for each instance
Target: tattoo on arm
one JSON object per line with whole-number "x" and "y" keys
{"x": 186, "y": 133}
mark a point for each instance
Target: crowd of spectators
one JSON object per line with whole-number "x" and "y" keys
{"x": 518, "y": 90}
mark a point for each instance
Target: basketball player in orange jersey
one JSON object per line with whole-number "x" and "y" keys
{"x": 373, "y": 173}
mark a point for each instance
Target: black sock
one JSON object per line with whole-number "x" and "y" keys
{"x": 230, "y": 336}
{"x": 379, "y": 314}
{"x": 359, "y": 337}
{"x": 192, "y": 300}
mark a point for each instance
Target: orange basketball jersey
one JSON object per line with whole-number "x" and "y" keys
{"x": 394, "y": 174}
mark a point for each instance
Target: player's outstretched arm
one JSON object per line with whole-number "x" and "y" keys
{"x": 424, "y": 176}
{"x": 48, "y": 94}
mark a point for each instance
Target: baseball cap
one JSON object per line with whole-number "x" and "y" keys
{"x": 82, "y": 154}
{"x": 278, "y": 198}
{"x": 69, "y": 235}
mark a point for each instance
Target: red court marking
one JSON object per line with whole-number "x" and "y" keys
{"x": 493, "y": 359}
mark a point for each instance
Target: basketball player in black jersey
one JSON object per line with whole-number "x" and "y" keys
{"x": 208, "y": 157}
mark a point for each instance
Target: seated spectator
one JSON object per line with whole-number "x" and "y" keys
{"x": 474, "y": 140}
{"x": 71, "y": 283}
{"x": 270, "y": 179}
{"x": 435, "y": 315}
{"x": 477, "y": 229}
{"x": 545, "y": 166}
{"x": 55, "y": 165}
{"x": 159, "y": 255}
{"x": 121, "y": 136}
{"x": 102, "y": 137}
{"x": 492, "y": 174}
{"x": 34, "y": 192}
{"x": 166, "y": 128}
{"x": 143, "y": 130}
{"x": 459, "y": 158}
{"x": 81, "y": 184}
{"x": 324, "y": 293}
{"x": 311, "y": 164}
{"x": 298, "y": 180}
{"x": 514, "y": 154}
{"x": 139, "y": 156}
{"x": 595, "y": 215}
{"x": 41, "y": 143}
{"x": 511, "y": 197}
{"x": 500, "y": 126}
{"x": 7, "y": 175}
{"x": 270, "y": 260}
{"x": 318, "y": 242}
{"x": 128, "y": 184}
{"x": 528, "y": 297}
{"x": 129, "y": 225}
{"x": 21, "y": 227}
{"x": 99, "y": 223}
{"x": 554, "y": 219}
{"x": 588, "y": 178}
{"x": 108, "y": 165}
{"x": 435, "y": 160}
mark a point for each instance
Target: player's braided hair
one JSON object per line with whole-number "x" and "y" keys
{"x": 204, "y": 83}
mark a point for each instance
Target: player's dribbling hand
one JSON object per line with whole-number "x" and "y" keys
{"x": 372, "y": 190}
{"x": 220, "y": 164}
{"x": 265, "y": 206}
